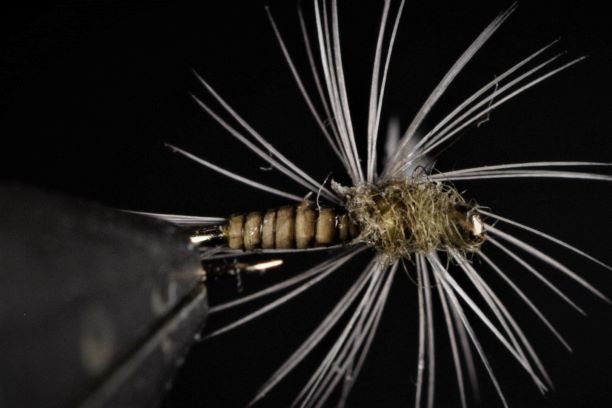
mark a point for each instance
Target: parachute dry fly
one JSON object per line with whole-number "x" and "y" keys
{"x": 405, "y": 212}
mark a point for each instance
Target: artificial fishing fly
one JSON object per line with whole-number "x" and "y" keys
{"x": 403, "y": 211}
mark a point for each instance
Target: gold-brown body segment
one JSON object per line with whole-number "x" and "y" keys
{"x": 287, "y": 227}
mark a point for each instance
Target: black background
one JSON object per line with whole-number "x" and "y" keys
{"x": 89, "y": 94}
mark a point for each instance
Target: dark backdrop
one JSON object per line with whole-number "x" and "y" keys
{"x": 89, "y": 94}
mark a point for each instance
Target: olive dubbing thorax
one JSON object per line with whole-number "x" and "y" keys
{"x": 404, "y": 217}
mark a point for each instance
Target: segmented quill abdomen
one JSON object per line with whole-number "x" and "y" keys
{"x": 289, "y": 227}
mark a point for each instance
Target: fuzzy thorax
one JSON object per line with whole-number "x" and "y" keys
{"x": 404, "y": 217}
